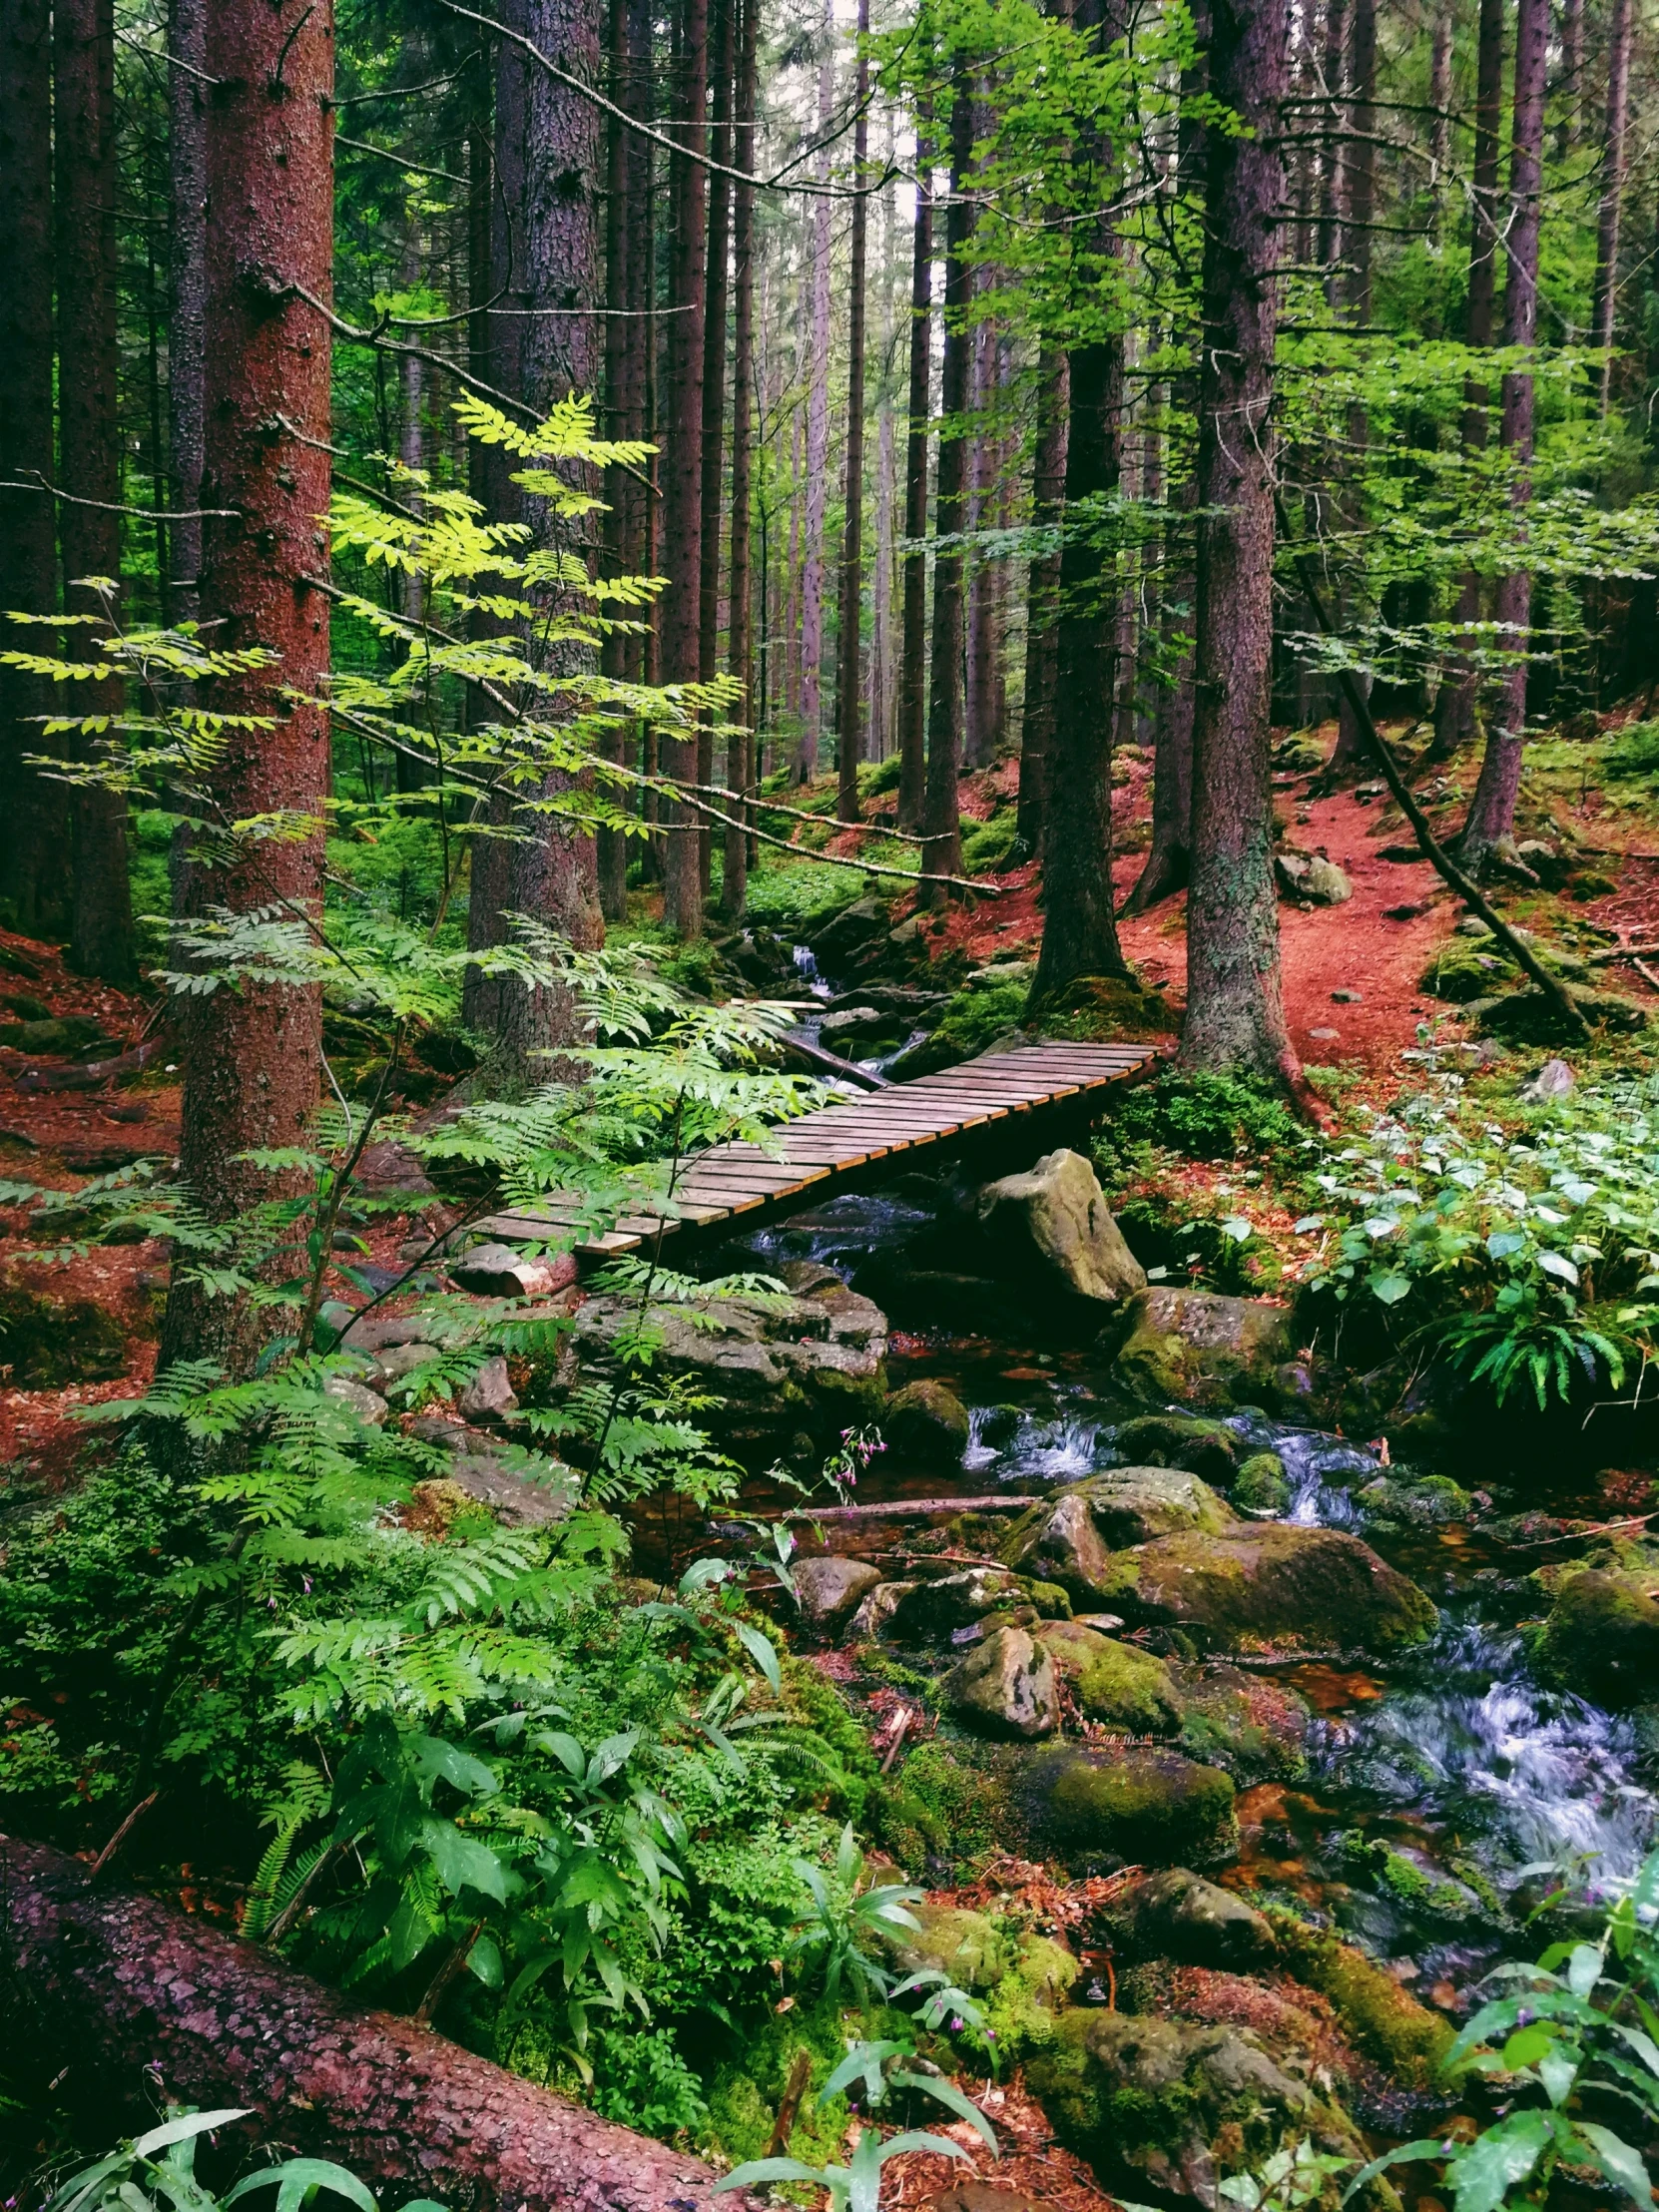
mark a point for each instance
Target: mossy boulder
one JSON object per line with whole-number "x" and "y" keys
{"x": 1530, "y": 1017}
{"x": 1206, "y": 1447}
{"x": 1053, "y": 1228}
{"x": 1262, "y": 1487}
{"x": 932, "y": 1611}
{"x": 57, "y": 1035}
{"x": 968, "y": 1947}
{"x": 1464, "y": 969}
{"x": 1178, "y": 1914}
{"x": 1131, "y": 1801}
{"x": 1602, "y": 1635}
{"x": 1071, "y": 1537}
{"x": 1380, "y": 2018}
{"x": 1196, "y": 1347}
{"x": 1114, "y": 1681}
{"x": 829, "y": 1591}
{"x": 927, "y": 1421}
{"x": 1262, "y": 1584}
{"x": 1174, "y": 2103}
{"x": 1424, "y": 1501}
{"x": 48, "y": 1342}
{"x": 1023, "y": 2008}
{"x": 1060, "y": 1541}
{"x": 1252, "y": 1726}
{"x": 1005, "y": 1686}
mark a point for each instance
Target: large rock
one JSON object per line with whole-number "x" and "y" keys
{"x": 1206, "y": 1447}
{"x": 932, "y": 1611}
{"x": 1114, "y": 1681}
{"x": 1268, "y": 1583}
{"x": 1196, "y": 1347}
{"x": 875, "y": 1611}
{"x": 1059, "y": 1541}
{"x": 1602, "y": 1635}
{"x": 1178, "y": 1914}
{"x": 1053, "y": 1223}
{"x": 1242, "y": 1720}
{"x": 927, "y": 1421}
{"x": 773, "y": 1366}
{"x": 1132, "y": 1802}
{"x": 1070, "y": 1539}
{"x": 831, "y": 1590}
{"x": 1177, "y": 2103}
{"x": 46, "y": 1342}
{"x": 1312, "y": 878}
{"x": 523, "y": 1490}
{"x": 1005, "y": 1687}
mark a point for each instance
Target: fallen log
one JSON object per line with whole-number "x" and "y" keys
{"x": 139, "y": 2004}
{"x": 93, "y": 1075}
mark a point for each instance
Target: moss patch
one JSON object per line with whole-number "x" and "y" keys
{"x": 1382, "y": 2020}
{"x": 1134, "y": 1801}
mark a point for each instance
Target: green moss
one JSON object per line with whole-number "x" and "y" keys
{"x": 1380, "y": 2018}
{"x": 1254, "y": 1727}
{"x": 1466, "y": 968}
{"x": 1130, "y": 1688}
{"x": 850, "y": 1766}
{"x": 1048, "y": 1597}
{"x": 746, "y": 2089}
{"x": 1138, "y": 1803}
{"x": 947, "y": 1802}
{"x": 1262, "y": 1487}
{"x": 1024, "y": 2008}
{"x": 1203, "y": 1447}
{"x": 45, "y": 1343}
{"x": 1602, "y": 1635}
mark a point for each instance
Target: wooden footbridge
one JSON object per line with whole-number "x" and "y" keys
{"x": 1036, "y": 1094}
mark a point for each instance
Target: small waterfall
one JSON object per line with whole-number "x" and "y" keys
{"x": 1050, "y": 1452}
{"x": 1321, "y": 1471}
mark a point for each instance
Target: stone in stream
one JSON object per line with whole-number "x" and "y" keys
{"x": 1071, "y": 1539}
{"x": 927, "y": 1421}
{"x": 1602, "y": 1635}
{"x": 1177, "y": 1914}
{"x": 1206, "y": 1447}
{"x": 875, "y": 1611}
{"x": 1114, "y": 1681}
{"x": 1262, "y": 1487}
{"x": 1198, "y": 1348}
{"x": 933, "y": 1612}
{"x": 1053, "y": 1224}
{"x": 1268, "y": 1583}
{"x": 1140, "y": 1803}
{"x": 829, "y": 1590}
{"x": 1005, "y": 1687}
{"x": 1215, "y": 1713}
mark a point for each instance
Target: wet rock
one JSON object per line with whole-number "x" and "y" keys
{"x": 1177, "y": 2103}
{"x": 1206, "y": 1447}
{"x": 1427, "y": 1502}
{"x": 1262, "y": 1487}
{"x": 1053, "y": 1224}
{"x": 1243, "y": 1721}
{"x": 48, "y": 1342}
{"x": 1070, "y": 1539}
{"x": 927, "y": 1421}
{"x": 1005, "y": 1687}
{"x": 1060, "y": 1542}
{"x": 875, "y": 1611}
{"x": 1267, "y": 1583}
{"x": 499, "y": 1271}
{"x": 490, "y": 1396}
{"x": 1114, "y": 1681}
{"x": 1178, "y": 1914}
{"x": 933, "y": 1612}
{"x": 1379, "y": 2017}
{"x": 851, "y": 932}
{"x": 369, "y": 1405}
{"x": 1201, "y": 1349}
{"x": 1138, "y": 1803}
{"x": 1602, "y": 1635}
{"x": 829, "y": 1591}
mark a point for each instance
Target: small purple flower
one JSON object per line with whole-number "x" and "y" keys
{"x": 956, "y": 2025}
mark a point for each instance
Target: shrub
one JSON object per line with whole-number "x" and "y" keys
{"x": 1205, "y": 1117}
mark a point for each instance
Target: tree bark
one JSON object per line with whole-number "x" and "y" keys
{"x": 818, "y": 427}
{"x": 683, "y": 459}
{"x": 1440, "y": 102}
{"x": 849, "y": 688}
{"x": 1042, "y": 589}
{"x": 619, "y": 557}
{"x": 1362, "y": 201}
{"x": 137, "y": 2002}
{"x": 1334, "y": 167}
{"x": 1572, "y": 64}
{"x": 941, "y": 851}
{"x": 33, "y": 875}
{"x": 1614, "y": 143}
{"x": 186, "y": 46}
{"x": 252, "y": 1057}
{"x": 1489, "y": 833}
{"x": 1235, "y": 1012}
{"x": 723, "y": 33}
{"x": 913, "y": 690}
{"x": 1079, "y": 929}
{"x": 89, "y": 452}
{"x": 740, "y": 661}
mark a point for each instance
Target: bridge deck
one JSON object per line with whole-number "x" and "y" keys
{"x": 835, "y": 1147}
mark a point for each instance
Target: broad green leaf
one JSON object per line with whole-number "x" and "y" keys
{"x": 1621, "y": 2165}
{"x": 1482, "y": 2176}
{"x": 190, "y": 2124}
{"x": 463, "y": 1863}
{"x": 764, "y": 1652}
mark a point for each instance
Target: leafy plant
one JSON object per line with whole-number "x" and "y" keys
{"x": 158, "y": 2170}
{"x": 846, "y": 1917}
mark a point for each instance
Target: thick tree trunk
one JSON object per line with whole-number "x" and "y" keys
{"x": 139, "y": 2002}
{"x": 1490, "y": 829}
{"x": 1079, "y": 929}
{"x": 1235, "y": 1011}
{"x": 34, "y": 850}
{"x": 683, "y": 459}
{"x": 1351, "y": 744}
{"x": 740, "y": 661}
{"x": 88, "y": 449}
{"x": 723, "y": 37}
{"x": 252, "y": 1058}
{"x": 941, "y": 851}
{"x": 1455, "y": 704}
{"x": 849, "y": 688}
{"x": 1334, "y": 162}
{"x": 620, "y": 558}
{"x": 818, "y": 427}
{"x": 186, "y": 44}
{"x": 1614, "y": 142}
{"x": 913, "y": 680}
{"x": 1042, "y": 591}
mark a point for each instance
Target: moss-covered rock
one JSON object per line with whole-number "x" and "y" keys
{"x": 927, "y": 1421}
{"x": 1174, "y": 2103}
{"x": 1114, "y": 1681}
{"x": 1069, "y": 1538}
{"x": 1602, "y": 1635}
{"x": 968, "y": 1947}
{"x": 1023, "y": 2008}
{"x": 1178, "y": 1914}
{"x": 1206, "y": 1447}
{"x": 46, "y": 1343}
{"x": 1427, "y": 1502}
{"x": 1060, "y": 1541}
{"x": 1266, "y": 1583}
{"x": 949, "y": 1800}
{"x": 1053, "y": 1227}
{"x": 1005, "y": 1686}
{"x": 1252, "y": 1726}
{"x": 1131, "y": 1801}
{"x": 1380, "y": 2018}
{"x": 1262, "y": 1487}
{"x": 829, "y": 1590}
{"x": 1199, "y": 1349}
{"x": 935, "y": 1610}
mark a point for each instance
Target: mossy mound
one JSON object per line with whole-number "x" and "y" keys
{"x": 949, "y": 1801}
{"x": 1602, "y": 1635}
{"x": 1380, "y": 2018}
{"x": 1114, "y": 1681}
{"x": 1198, "y": 1348}
{"x": 1529, "y": 1017}
{"x": 1254, "y": 1727}
{"x": 1204, "y": 1447}
{"x": 1132, "y": 1802}
{"x": 1262, "y": 1486}
{"x": 1466, "y": 968}
{"x": 1102, "y": 1008}
{"x": 48, "y": 1344}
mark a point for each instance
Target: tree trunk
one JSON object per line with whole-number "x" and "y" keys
{"x": 186, "y": 44}
{"x": 89, "y": 451}
{"x": 722, "y": 31}
{"x": 941, "y": 851}
{"x": 1042, "y": 590}
{"x": 620, "y": 556}
{"x": 1614, "y": 142}
{"x": 33, "y": 853}
{"x": 1440, "y": 102}
{"x": 1079, "y": 931}
{"x": 1235, "y": 1011}
{"x": 848, "y": 689}
{"x": 252, "y": 1057}
{"x": 683, "y": 459}
{"x": 740, "y": 661}
{"x": 1489, "y": 831}
{"x": 1333, "y": 165}
{"x": 1572, "y": 64}
{"x": 138, "y": 2003}
{"x": 818, "y": 427}
{"x": 912, "y": 682}
{"x": 1351, "y": 744}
